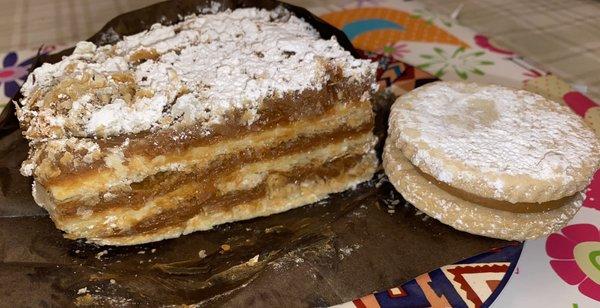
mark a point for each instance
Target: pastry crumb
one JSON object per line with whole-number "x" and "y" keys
{"x": 253, "y": 261}
{"x": 100, "y": 254}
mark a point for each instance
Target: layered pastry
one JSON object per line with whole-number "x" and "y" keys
{"x": 490, "y": 160}
{"x": 217, "y": 118}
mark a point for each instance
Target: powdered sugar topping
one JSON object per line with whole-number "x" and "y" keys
{"x": 196, "y": 71}
{"x": 495, "y": 130}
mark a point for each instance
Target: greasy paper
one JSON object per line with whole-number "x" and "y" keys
{"x": 353, "y": 243}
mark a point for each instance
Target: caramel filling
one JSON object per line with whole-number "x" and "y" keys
{"x": 162, "y": 183}
{"x": 275, "y": 111}
{"x": 211, "y": 200}
{"x": 519, "y": 207}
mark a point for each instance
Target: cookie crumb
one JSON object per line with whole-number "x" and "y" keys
{"x": 253, "y": 261}
{"x": 100, "y": 254}
{"x": 84, "y": 300}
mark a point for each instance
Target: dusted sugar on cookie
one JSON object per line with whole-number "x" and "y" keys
{"x": 179, "y": 128}
{"x": 490, "y": 160}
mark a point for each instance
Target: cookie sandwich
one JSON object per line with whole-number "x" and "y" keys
{"x": 490, "y": 160}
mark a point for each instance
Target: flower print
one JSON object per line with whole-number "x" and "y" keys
{"x": 396, "y": 51}
{"x": 592, "y": 199}
{"x": 530, "y": 70}
{"x": 533, "y": 73}
{"x": 12, "y": 75}
{"x": 484, "y": 42}
{"x": 575, "y": 253}
{"x": 461, "y": 61}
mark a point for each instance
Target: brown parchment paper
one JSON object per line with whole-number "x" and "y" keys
{"x": 355, "y": 242}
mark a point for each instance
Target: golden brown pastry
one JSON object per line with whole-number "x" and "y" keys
{"x": 218, "y": 118}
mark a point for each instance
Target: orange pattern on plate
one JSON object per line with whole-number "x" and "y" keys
{"x": 415, "y": 29}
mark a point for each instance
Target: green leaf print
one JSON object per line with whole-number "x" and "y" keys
{"x": 457, "y": 51}
{"x": 477, "y": 71}
{"x": 462, "y": 74}
{"x": 462, "y": 61}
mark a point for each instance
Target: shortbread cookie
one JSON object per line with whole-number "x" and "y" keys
{"x": 495, "y": 142}
{"x": 490, "y": 160}
{"x": 467, "y": 216}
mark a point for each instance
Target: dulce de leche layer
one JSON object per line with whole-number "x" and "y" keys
{"x": 210, "y": 200}
{"x": 519, "y": 207}
{"x": 164, "y": 182}
{"x": 55, "y": 161}
{"x": 88, "y": 220}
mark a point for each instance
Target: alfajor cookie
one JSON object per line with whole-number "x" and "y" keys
{"x": 490, "y": 160}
